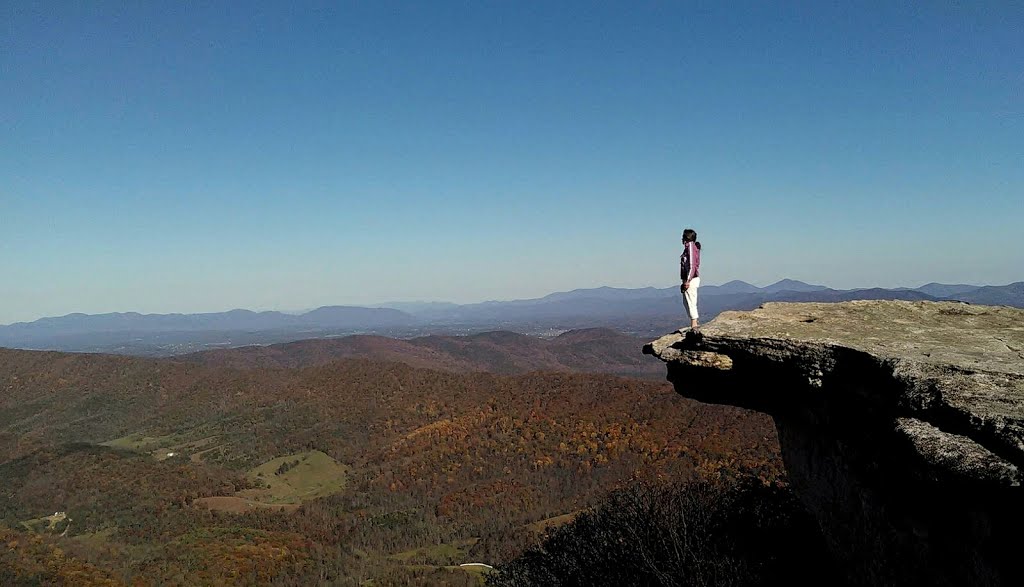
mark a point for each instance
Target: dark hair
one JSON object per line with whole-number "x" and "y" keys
{"x": 690, "y": 235}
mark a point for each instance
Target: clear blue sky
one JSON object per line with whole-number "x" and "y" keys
{"x": 178, "y": 157}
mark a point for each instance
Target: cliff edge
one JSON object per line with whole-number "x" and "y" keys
{"x": 901, "y": 425}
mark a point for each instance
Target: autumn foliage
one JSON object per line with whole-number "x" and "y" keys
{"x": 444, "y": 467}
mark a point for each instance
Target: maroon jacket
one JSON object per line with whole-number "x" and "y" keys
{"x": 689, "y": 262}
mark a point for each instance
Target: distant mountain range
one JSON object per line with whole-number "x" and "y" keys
{"x": 328, "y": 317}
{"x": 621, "y": 305}
{"x": 641, "y": 312}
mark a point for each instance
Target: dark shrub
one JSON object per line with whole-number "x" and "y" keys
{"x": 697, "y": 534}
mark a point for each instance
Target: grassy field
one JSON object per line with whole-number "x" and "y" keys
{"x": 141, "y": 443}
{"x": 479, "y": 572}
{"x": 192, "y": 447}
{"x": 50, "y": 524}
{"x": 437, "y": 552}
{"x": 295, "y": 478}
{"x": 161, "y": 447}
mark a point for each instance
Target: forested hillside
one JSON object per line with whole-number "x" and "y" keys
{"x": 591, "y": 350}
{"x": 181, "y": 473}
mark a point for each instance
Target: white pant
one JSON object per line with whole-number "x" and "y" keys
{"x": 690, "y": 297}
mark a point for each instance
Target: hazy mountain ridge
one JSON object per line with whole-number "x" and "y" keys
{"x": 595, "y": 350}
{"x": 233, "y": 319}
{"x": 1002, "y": 295}
{"x": 642, "y": 312}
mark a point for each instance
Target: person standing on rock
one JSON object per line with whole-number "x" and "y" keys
{"x": 689, "y": 273}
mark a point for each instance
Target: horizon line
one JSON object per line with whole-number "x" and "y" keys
{"x": 383, "y": 305}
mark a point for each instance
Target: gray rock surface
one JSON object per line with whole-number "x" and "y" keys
{"x": 952, "y": 365}
{"x": 957, "y": 453}
{"x": 989, "y": 338}
{"x": 901, "y": 425}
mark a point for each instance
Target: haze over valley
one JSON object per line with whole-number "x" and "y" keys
{"x": 642, "y": 312}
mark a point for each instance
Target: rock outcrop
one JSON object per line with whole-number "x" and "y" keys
{"x": 901, "y": 426}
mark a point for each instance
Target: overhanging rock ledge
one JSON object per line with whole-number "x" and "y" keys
{"x": 901, "y": 425}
